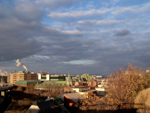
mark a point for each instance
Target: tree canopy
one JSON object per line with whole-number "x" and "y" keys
{"x": 124, "y": 85}
{"x": 86, "y": 76}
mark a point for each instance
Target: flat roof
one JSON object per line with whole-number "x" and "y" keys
{"x": 45, "y": 105}
{"x": 45, "y": 83}
{"x": 77, "y": 87}
{"x": 74, "y": 96}
{"x": 27, "y": 82}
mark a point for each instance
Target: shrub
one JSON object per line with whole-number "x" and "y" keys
{"x": 142, "y": 100}
{"x": 143, "y": 97}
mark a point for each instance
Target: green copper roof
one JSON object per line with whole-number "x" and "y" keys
{"x": 46, "y": 84}
{"x": 24, "y": 72}
{"x": 27, "y": 82}
{"x": 86, "y": 76}
{"x": 78, "y": 77}
{"x": 69, "y": 79}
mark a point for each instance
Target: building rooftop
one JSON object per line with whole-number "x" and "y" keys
{"x": 27, "y": 82}
{"x": 74, "y": 96}
{"x": 24, "y": 72}
{"x": 41, "y": 106}
{"x": 53, "y": 83}
{"x": 45, "y": 105}
{"x": 33, "y": 109}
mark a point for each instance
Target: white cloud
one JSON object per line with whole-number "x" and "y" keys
{"x": 96, "y": 23}
{"x": 79, "y": 14}
{"x": 56, "y": 4}
{"x": 80, "y": 62}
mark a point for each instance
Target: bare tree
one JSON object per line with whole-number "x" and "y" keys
{"x": 53, "y": 89}
{"x": 124, "y": 85}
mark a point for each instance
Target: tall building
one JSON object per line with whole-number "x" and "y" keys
{"x": 22, "y": 76}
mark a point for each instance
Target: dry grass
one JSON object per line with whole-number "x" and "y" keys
{"x": 143, "y": 97}
{"x": 142, "y": 101}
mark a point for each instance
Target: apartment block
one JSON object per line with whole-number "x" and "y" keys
{"x": 22, "y": 77}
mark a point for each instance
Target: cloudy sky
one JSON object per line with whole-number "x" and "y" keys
{"x": 85, "y": 36}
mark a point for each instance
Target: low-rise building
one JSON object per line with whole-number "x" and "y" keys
{"x": 98, "y": 77}
{"x": 26, "y": 83}
{"x": 92, "y": 82}
{"x": 42, "y": 106}
{"x": 81, "y": 89}
{"x": 47, "y": 84}
{"x": 68, "y": 89}
{"x": 148, "y": 71}
{"x": 50, "y": 77}
{"x": 70, "y": 99}
{"x": 56, "y": 104}
{"x": 76, "y": 89}
{"x": 100, "y": 90}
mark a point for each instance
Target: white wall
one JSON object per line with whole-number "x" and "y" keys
{"x": 47, "y": 76}
{"x": 76, "y": 89}
{"x": 101, "y": 91}
{"x": 39, "y": 76}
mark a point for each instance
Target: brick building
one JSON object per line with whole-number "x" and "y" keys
{"x": 92, "y": 83}
{"x": 22, "y": 76}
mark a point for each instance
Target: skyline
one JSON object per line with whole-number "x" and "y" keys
{"x": 88, "y": 36}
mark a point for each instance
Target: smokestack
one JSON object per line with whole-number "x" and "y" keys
{"x": 3, "y": 72}
{"x": 20, "y": 64}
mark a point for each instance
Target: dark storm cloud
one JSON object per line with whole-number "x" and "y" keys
{"x": 13, "y": 49}
{"x": 18, "y": 27}
{"x": 68, "y": 49}
{"x": 109, "y": 43}
{"x": 144, "y": 58}
{"x": 122, "y": 33}
{"x": 105, "y": 38}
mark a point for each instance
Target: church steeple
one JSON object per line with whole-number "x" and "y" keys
{"x": 69, "y": 77}
{"x": 69, "y": 73}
